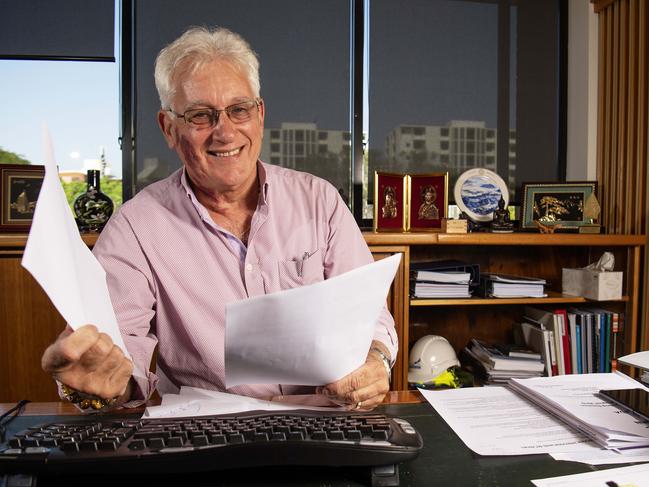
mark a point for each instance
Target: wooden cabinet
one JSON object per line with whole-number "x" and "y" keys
{"x": 529, "y": 254}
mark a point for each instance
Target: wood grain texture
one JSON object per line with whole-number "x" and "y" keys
{"x": 622, "y": 133}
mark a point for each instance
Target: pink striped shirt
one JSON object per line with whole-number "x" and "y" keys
{"x": 171, "y": 270}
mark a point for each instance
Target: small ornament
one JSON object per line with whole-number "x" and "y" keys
{"x": 92, "y": 208}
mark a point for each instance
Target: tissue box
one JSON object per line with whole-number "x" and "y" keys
{"x": 598, "y": 285}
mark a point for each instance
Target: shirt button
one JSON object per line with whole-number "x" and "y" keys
{"x": 248, "y": 267}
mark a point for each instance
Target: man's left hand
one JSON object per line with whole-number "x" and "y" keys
{"x": 364, "y": 388}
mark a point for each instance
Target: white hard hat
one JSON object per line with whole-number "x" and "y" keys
{"x": 429, "y": 357}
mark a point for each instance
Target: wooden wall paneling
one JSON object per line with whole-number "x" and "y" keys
{"x": 623, "y": 94}
{"x": 398, "y": 306}
{"x": 28, "y": 324}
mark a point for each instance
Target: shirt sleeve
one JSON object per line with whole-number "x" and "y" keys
{"x": 133, "y": 294}
{"x": 348, "y": 250}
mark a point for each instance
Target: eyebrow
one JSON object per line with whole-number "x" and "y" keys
{"x": 205, "y": 104}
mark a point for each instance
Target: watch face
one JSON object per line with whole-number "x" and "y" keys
{"x": 477, "y": 192}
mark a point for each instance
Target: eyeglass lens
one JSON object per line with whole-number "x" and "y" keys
{"x": 238, "y": 113}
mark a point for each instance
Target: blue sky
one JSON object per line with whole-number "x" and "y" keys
{"x": 79, "y": 101}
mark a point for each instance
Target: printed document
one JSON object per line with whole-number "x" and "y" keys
{"x": 574, "y": 399}
{"x": 496, "y": 421}
{"x": 312, "y": 335}
{"x": 636, "y": 476}
{"x": 192, "y": 401}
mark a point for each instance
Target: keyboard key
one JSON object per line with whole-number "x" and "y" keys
{"x": 137, "y": 445}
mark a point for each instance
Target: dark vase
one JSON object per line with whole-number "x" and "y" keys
{"x": 92, "y": 208}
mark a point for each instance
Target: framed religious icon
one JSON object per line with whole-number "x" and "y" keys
{"x": 566, "y": 206}
{"x": 19, "y": 188}
{"x": 428, "y": 201}
{"x": 390, "y": 202}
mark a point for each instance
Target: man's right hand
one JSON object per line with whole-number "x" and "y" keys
{"x": 89, "y": 361}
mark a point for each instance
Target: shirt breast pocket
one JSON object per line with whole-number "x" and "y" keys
{"x": 301, "y": 271}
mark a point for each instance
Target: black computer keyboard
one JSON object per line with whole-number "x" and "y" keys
{"x": 99, "y": 445}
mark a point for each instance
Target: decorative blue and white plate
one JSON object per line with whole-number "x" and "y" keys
{"x": 477, "y": 192}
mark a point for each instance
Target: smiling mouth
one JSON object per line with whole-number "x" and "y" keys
{"x": 231, "y": 153}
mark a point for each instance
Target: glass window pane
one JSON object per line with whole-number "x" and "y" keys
{"x": 434, "y": 89}
{"x": 78, "y": 102}
{"x": 304, "y": 53}
{"x": 432, "y": 85}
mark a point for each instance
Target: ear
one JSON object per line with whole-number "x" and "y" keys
{"x": 167, "y": 127}
{"x": 262, "y": 112}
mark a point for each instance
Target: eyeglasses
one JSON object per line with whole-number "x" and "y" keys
{"x": 209, "y": 117}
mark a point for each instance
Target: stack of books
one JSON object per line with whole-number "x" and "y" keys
{"x": 573, "y": 340}
{"x": 443, "y": 279}
{"x": 497, "y": 367}
{"x": 508, "y": 286}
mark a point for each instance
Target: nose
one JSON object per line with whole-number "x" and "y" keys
{"x": 223, "y": 128}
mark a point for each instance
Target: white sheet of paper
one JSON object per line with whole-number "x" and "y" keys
{"x": 635, "y": 475}
{"x": 638, "y": 359}
{"x": 61, "y": 262}
{"x": 495, "y": 421}
{"x": 604, "y": 456}
{"x": 192, "y": 401}
{"x": 310, "y": 335}
{"x": 576, "y": 396}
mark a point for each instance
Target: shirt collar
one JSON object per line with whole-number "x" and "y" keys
{"x": 263, "y": 183}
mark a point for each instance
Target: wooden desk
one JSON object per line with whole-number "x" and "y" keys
{"x": 445, "y": 460}
{"x": 62, "y": 408}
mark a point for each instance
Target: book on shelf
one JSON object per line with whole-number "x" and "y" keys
{"x": 494, "y": 359}
{"x": 517, "y": 351}
{"x": 437, "y": 290}
{"x": 550, "y": 321}
{"x": 582, "y": 340}
{"x": 540, "y": 340}
{"x": 509, "y": 286}
{"x": 442, "y": 279}
{"x": 419, "y": 270}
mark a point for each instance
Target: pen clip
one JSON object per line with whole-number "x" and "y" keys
{"x": 300, "y": 263}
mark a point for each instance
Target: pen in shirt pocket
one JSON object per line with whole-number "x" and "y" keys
{"x": 299, "y": 263}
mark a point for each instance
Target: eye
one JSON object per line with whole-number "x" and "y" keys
{"x": 239, "y": 111}
{"x": 199, "y": 117}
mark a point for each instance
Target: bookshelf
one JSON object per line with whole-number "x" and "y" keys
{"x": 529, "y": 254}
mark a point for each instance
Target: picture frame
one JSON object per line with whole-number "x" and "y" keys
{"x": 427, "y": 201}
{"x": 390, "y": 202}
{"x": 557, "y": 204}
{"x": 19, "y": 188}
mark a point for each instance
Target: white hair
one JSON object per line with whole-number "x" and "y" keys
{"x": 197, "y": 47}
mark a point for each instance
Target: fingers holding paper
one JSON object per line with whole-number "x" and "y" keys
{"x": 364, "y": 388}
{"x": 88, "y": 361}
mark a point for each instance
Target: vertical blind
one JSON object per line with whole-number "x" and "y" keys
{"x": 622, "y": 126}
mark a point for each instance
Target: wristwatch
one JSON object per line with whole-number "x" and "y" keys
{"x": 386, "y": 361}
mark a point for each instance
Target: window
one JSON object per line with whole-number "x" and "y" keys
{"x": 466, "y": 86}
{"x": 304, "y": 55}
{"x": 483, "y": 68}
{"x": 61, "y": 73}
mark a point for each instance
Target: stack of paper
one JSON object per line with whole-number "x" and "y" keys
{"x": 497, "y": 367}
{"x": 574, "y": 400}
{"x": 442, "y": 279}
{"x": 505, "y": 286}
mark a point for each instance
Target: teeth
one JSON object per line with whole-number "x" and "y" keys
{"x": 225, "y": 154}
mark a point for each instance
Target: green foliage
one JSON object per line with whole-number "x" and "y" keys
{"x": 7, "y": 157}
{"x": 110, "y": 187}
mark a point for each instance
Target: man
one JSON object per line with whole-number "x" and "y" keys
{"x": 225, "y": 227}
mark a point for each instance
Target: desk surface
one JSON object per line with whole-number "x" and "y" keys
{"x": 445, "y": 460}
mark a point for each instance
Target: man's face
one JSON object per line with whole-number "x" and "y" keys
{"x": 223, "y": 157}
